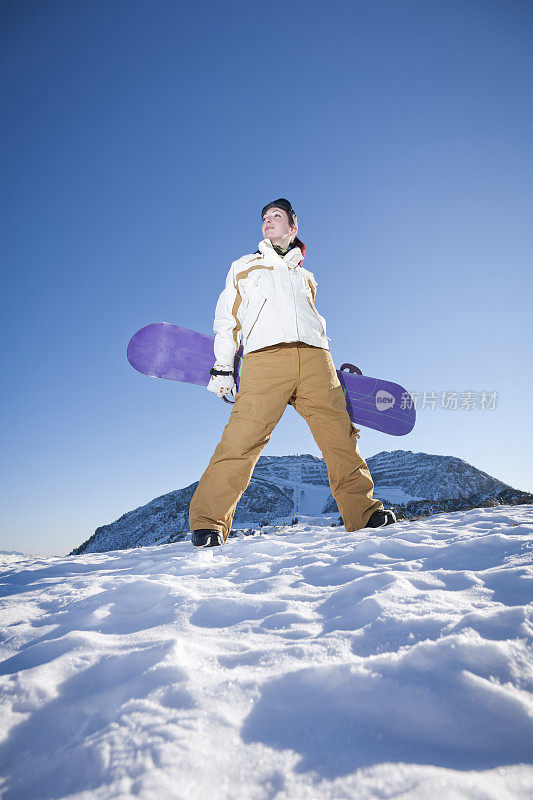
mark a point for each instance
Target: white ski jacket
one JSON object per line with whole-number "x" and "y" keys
{"x": 268, "y": 299}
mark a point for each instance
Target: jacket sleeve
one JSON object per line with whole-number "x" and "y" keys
{"x": 226, "y": 326}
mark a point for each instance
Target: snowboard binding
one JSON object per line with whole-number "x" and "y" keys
{"x": 350, "y": 368}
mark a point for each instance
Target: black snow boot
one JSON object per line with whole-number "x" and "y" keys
{"x": 380, "y": 518}
{"x": 206, "y": 537}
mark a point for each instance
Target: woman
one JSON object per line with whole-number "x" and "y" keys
{"x": 269, "y": 304}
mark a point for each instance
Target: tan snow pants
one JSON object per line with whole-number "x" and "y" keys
{"x": 272, "y": 377}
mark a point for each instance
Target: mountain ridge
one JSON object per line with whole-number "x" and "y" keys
{"x": 286, "y": 487}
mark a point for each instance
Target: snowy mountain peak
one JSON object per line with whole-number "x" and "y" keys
{"x": 401, "y": 476}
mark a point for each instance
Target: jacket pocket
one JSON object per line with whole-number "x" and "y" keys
{"x": 250, "y": 295}
{"x": 252, "y": 315}
{"x": 316, "y": 314}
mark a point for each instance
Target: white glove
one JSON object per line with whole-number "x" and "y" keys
{"x": 221, "y": 384}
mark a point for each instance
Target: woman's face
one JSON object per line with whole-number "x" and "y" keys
{"x": 276, "y": 227}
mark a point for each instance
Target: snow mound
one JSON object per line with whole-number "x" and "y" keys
{"x": 306, "y": 663}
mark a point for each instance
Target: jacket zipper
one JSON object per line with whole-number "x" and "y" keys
{"x": 294, "y": 301}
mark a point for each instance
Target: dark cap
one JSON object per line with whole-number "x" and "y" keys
{"x": 284, "y": 205}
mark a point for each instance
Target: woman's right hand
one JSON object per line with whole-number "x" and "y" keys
{"x": 221, "y": 384}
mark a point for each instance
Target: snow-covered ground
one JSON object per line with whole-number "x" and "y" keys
{"x": 304, "y": 663}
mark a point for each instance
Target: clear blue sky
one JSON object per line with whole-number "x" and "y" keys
{"x": 141, "y": 140}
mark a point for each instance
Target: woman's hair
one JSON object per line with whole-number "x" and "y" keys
{"x": 284, "y": 205}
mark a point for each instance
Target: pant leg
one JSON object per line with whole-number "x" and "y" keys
{"x": 268, "y": 379}
{"x": 320, "y": 400}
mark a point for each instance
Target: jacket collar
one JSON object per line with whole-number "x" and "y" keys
{"x": 293, "y": 258}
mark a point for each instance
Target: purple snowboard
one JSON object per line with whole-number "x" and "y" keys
{"x": 163, "y": 350}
